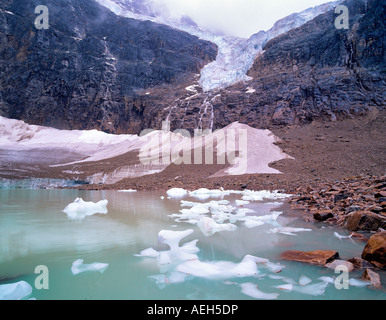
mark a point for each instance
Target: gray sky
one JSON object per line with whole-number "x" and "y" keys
{"x": 237, "y": 17}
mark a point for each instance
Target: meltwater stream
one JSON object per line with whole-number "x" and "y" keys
{"x": 124, "y": 242}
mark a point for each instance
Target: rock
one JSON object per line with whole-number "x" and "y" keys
{"x": 317, "y": 257}
{"x": 381, "y": 194}
{"x": 353, "y": 208}
{"x": 373, "y": 277}
{"x": 364, "y": 220}
{"x": 323, "y": 215}
{"x": 334, "y": 264}
{"x": 359, "y": 237}
{"x": 360, "y": 263}
{"x": 375, "y": 250}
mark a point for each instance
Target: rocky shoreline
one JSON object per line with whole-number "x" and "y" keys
{"x": 358, "y": 203}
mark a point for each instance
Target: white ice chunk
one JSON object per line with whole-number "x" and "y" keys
{"x": 204, "y": 193}
{"x": 304, "y": 280}
{"x": 285, "y": 287}
{"x": 358, "y": 283}
{"x": 241, "y": 202}
{"x": 326, "y": 279}
{"x": 151, "y": 253}
{"x": 79, "y": 209}
{"x": 222, "y": 269}
{"x": 288, "y": 230}
{"x": 250, "y": 289}
{"x": 274, "y": 267}
{"x": 15, "y": 291}
{"x": 316, "y": 289}
{"x": 173, "y": 238}
{"x": 249, "y": 195}
{"x": 79, "y": 267}
{"x": 340, "y": 237}
{"x": 209, "y": 227}
{"x": 177, "y": 193}
{"x": 251, "y": 223}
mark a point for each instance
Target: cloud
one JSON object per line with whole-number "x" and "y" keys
{"x": 235, "y": 17}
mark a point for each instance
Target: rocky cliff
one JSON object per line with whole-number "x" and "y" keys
{"x": 311, "y": 72}
{"x": 94, "y": 69}
{"x": 90, "y": 67}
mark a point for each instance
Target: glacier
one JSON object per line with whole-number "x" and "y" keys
{"x": 235, "y": 55}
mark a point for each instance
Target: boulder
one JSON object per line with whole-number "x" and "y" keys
{"x": 373, "y": 277}
{"x": 359, "y": 263}
{"x": 364, "y": 220}
{"x": 317, "y": 257}
{"x": 323, "y": 215}
{"x": 375, "y": 250}
{"x": 336, "y": 263}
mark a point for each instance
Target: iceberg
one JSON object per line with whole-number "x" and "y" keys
{"x": 151, "y": 253}
{"x": 204, "y": 193}
{"x": 176, "y": 193}
{"x": 15, "y": 291}
{"x": 173, "y": 238}
{"x": 209, "y": 227}
{"x": 80, "y": 209}
{"x": 288, "y": 230}
{"x": 79, "y": 267}
{"x": 250, "y": 289}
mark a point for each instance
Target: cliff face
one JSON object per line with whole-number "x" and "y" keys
{"x": 317, "y": 70}
{"x": 311, "y": 72}
{"x": 91, "y": 67}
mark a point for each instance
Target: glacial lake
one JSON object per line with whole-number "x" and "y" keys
{"x": 34, "y": 231}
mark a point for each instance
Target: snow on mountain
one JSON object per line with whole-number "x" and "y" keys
{"x": 235, "y": 55}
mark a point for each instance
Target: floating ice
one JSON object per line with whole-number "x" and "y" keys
{"x": 79, "y": 209}
{"x": 204, "y": 193}
{"x": 287, "y": 230}
{"x": 151, "y": 253}
{"x": 358, "y": 283}
{"x": 250, "y": 289}
{"x": 241, "y": 202}
{"x": 249, "y": 223}
{"x": 285, "y": 287}
{"x": 79, "y": 267}
{"x": 326, "y": 279}
{"x": 340, "y": 237}
{"x": 171, "y": 277}
{"x": 173, "y": 238}
{"x": 209, "y": 227}
{"x": 15, "y": 291}
{"x": 176, "y": 193}
{"x": 128, "y": 191}
{"x": 249, "y": 195}
{"x": 304, "y": 280}
{"x": 316, "y": 289}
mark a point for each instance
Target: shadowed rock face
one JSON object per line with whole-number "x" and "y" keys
{"x": 90, "y": 67}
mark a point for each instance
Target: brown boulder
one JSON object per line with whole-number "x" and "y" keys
{"x": 359, "y": 263}
{"x": 373, "y": 277}
{"x": 363, "y": 220}
{"x": 318, "y": 257}
{"x": 323, "y": 215}
{"x": 375, "y": 250}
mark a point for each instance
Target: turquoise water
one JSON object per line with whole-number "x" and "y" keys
{"x": 35, "y": 231}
